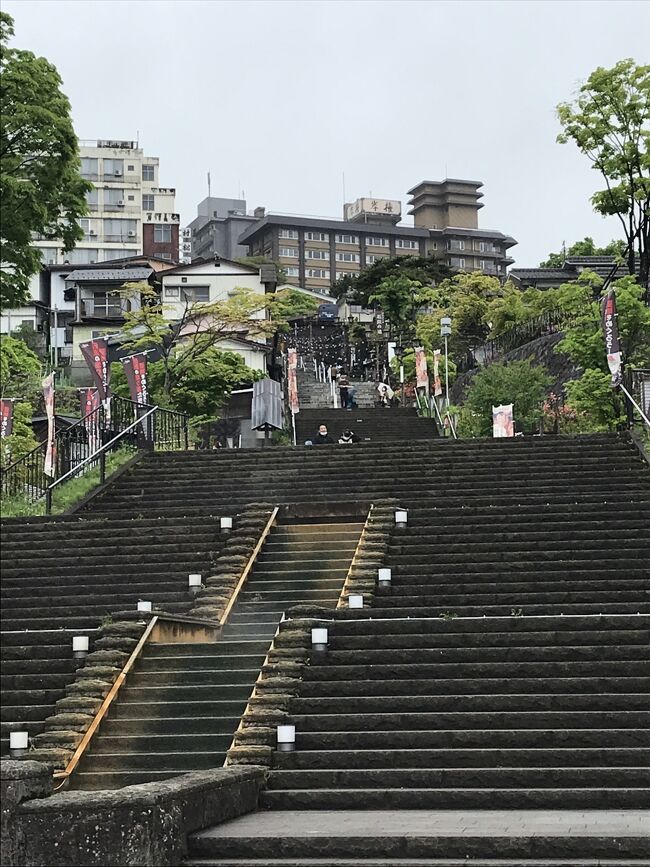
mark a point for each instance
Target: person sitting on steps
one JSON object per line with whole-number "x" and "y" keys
{"x": 348, "y": 437}
{"x": 386, "y": 394}
{"x": 322, "y": 437}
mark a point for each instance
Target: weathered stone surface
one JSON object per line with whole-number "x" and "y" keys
{"x": 145, "y": 825}
{"x": 88, "y": 687}
{"x": 107, "y": 657}
{"x": 98, "y": 672}
{"x": 116, "y": 642}
{"x": 79, "y": 703}
{"x": 124, "y": 628}
{"x": 74, "y": 721}
{"x": 58, "y": 757}
{"x": 67, "y": 738}
{"x": 250, "y": 755}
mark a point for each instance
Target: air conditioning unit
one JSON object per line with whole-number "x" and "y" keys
{"x": 117, "y": 173}
{"x": 120, "y": 204}
{"x": 92, "y": 232}
{"x": 131, "y": 234}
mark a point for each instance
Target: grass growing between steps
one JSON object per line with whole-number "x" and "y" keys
{"x": 67, "y": 495}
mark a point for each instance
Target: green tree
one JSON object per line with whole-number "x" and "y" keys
{"x": 41, "y": 190}
{"x": 201, "y": 389}
{"x": 519, "y": 382}
{"x": 466, "y": 299}
{"x": 425, "y": 269}
{"x": 586, "y": 247}
{"x": 583, "y": 343}
{"x": 198, "y": 328}
{"x": 609, "y": 122}
{"x": 20, "y": 369}
{"x": 287, "y": 303}
{"x": 399, "y": 297}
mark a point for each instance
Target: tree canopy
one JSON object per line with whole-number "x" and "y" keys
{"x": 518, "y": 382}
{"x": 41, "y": 189}
{"x": 20, "y": 368}
{"x": 427, "y": 270}
{"x": 609, "y": 121}
{"x": 586, "y": 247}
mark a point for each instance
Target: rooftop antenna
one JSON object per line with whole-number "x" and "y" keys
{"x": 137, "y": 139}
{"x": 209, "y": 185}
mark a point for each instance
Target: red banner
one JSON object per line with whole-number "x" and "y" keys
{"x": 421, "y": 373}
{"x": 6, "y": 418}
{"x": 89, "y": 400}
{"x": 135, "y": 370}
{"x": 95, "y": 353}
{"x": 293, "y": 380}
{"x": 49, "y": 467}
{"x": 612, "y": 342}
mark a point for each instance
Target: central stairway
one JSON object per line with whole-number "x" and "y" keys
{"x": 182, "y": 704}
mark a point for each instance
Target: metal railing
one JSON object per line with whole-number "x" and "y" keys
{"x": 139, "y": 426}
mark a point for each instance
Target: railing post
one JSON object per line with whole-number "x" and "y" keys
{"x": 186, "y": 434}
{"x": 102, "y": 468}
{"x": 48, "y": 501}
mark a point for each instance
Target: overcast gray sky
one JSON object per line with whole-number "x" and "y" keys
{"x": 280, "y": 98}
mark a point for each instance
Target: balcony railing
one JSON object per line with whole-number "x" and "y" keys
{"x": 99, "y": 310}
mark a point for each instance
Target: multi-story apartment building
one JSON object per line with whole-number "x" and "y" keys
{"x": 129, "y": 213}
{"x": 316, "y": 252}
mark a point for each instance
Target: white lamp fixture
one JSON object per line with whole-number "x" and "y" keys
{"x": 384, "y": 576}
{"x": 319, "y": 639}
{"x": 18, "y": 743}
{"x": 401, "y": 517}
{"x": 286, "y": 738}
{"x": 355, "y": 600}
{"x": 226, "y": 523}
{"x": 145, "y": 606}
{"x": 194, "y": 581}
{"x": 79, "y": 646}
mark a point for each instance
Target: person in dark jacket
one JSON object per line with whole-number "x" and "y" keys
{"x": 348, "y": 437}
{"x": 322, "y": 438}
{"x": 344, "y": 384}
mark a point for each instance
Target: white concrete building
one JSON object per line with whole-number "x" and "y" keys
{"x": 129, "y": 213}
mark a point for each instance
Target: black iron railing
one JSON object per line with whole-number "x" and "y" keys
{"x": 159, "y": 429}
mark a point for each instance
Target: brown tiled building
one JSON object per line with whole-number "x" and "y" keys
{"x": 317, "y": 252}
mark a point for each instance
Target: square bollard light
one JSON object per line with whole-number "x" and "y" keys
{"x": 384, "y": 577}
{"x": 401, "y": 517}
{"x": 286, "y": 738}
{"x": 194, "y": 582}
{"x": 18, "y": 743}
{"x": 145, "y": 605}
{"x": 80, "y": 646}
{"x": 355, "y": 600}
{"x": 226, "y": 524}
{"x": 319, "y": 639}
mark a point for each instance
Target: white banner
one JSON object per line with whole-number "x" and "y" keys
{"x": 49, "y": 467}
{"x": 503, "y": 424}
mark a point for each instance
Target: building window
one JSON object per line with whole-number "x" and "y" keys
{"x": 317, "y": 254}
{"x": 162, "y": 234}
{"x": 148, "y": 202}
{"x": 316, "y": 236}
{"x": 288, "y": 252}
{"x": 105, "y": 304}
{"x": 148, "y": 173}
{"x": 402, "y": 244}
{"x": 348, "y": 257}
{"x": 91, "y": 199}
{"x": 292, "y": 272}
{"x": 120, "y": 230}
{"x": 166, "y": 256}
{"x": 81, "y": 256}
{"x": 457, "y": 263}
{"x": 371, "y": 258}
{"x": 195, "y": 294}
{"x": 113, "y": 168}
{"x": 130, "y": 168}
{"x": 455, "y": 245}
{"x": 318, "y": 273}
{"x": 376, "y": 242}
{"x": 89, "y": 168}
{"x": 173, "y": 292}
{"x": 434, "y": 246}
{"x": 288, "y": 234}
{"x": 347, "y": 239}
{"x": 113, "y": 199}
{"x": 340, "y": 274}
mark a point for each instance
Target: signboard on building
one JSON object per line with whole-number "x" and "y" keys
{"x": 390, "y": 208}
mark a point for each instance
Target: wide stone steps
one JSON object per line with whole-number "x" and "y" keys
{"x": 417, "y": 759}
{"x": 179, "y": 694}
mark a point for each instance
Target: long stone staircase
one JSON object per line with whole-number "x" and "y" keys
{"x": 490, "y": 709}
{"x": 64, "y": 577}
{"x": 180, "y": 708}
{"x": 370, "y": 425}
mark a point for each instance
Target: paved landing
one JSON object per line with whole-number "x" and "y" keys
{"x": 449, "y": 823}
